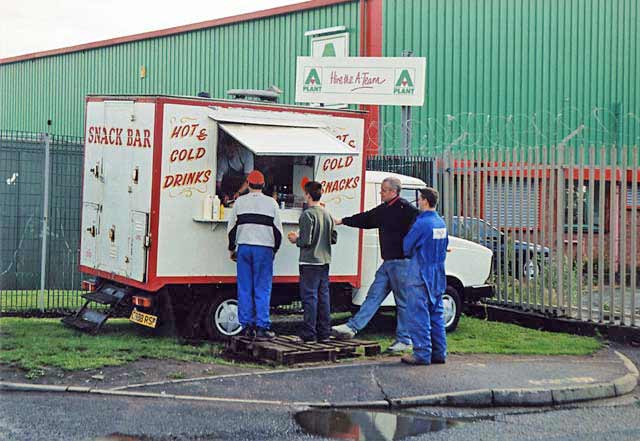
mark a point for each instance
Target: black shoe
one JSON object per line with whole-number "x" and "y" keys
{"x": 308, "y": 339}
{"x": 248, "y": 332}
{"x": 438, "y": 361}
{"x": 265, "y": 334}
{"x": 413, "y": 360}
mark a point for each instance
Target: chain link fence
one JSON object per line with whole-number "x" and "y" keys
{"x": 421, "y": 167}
{"x": 40, "y": 196}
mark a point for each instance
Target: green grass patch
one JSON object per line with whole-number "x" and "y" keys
{"x": 36, "y": 343}
{"x": 475, "y": 336}
{"x": 27, "y": 299}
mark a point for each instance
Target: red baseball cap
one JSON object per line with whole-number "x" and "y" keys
{"x": 255, "y": 178}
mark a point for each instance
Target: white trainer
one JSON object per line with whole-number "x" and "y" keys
{"x": 343, "y": 332}
{"x": 398, "y": 346}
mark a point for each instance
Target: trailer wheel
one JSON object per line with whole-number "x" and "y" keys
{"x": 221, "y": 320}
{"x": 452, "y": 308}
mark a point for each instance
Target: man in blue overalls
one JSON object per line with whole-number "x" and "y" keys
{"x": 426, "y": 244}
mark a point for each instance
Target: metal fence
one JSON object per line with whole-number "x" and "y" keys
{"x": 562, "y": 222}
{"x": 40, "y": 195}
{"x": 422, "y": 167}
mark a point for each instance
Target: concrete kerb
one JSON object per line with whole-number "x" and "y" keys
{"x": 473, "y": 398}
{"x": 530, "y": 397}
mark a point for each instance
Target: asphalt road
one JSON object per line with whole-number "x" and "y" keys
{"x": 41, "y": 416}
{"x": 71, "y": 417}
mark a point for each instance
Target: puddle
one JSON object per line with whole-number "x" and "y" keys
{"x": 362, "y": 425}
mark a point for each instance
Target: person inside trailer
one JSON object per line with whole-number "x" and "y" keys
{"x": 235, "y": 162}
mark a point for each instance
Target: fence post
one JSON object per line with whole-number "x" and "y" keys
{"x": 45, "y": 219}
{"x": 405, "y": 115}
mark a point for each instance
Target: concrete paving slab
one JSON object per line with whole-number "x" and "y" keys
{"x": 463, "y": 381}
{"x": 473, "y": 381}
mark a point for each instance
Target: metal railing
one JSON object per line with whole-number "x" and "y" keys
{"x": 562, "y": 222}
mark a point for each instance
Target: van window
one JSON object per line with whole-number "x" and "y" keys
{"x": 410, "y": 194}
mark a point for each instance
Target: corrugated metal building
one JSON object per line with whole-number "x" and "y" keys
{"x": 499, "y": 72}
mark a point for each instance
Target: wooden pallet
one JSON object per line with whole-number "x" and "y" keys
{"x": 288, "y": 349}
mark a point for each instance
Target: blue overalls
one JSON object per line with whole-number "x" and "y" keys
{"x": 426, "y": 244}
{"x": 255, "y": 272}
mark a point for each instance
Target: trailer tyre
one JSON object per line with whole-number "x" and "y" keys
{"x": 221, "y": 320}
{"x": 452, "y": 308}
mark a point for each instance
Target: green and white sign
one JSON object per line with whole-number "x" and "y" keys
{"x": 393, "y": 81}
{"x": 335, "y": 45}
{"x": 312, "y": 82}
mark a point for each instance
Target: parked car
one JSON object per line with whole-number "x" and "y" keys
{"x": 528, "y": 256}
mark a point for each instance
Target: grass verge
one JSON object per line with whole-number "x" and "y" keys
{"x": 33, "y": 344}
{"x": 475, "y": 336}
{"x": 36, "y": 343}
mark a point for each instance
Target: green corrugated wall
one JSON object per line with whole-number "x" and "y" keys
{"x": 499, "y": 72}
{"x": 250, "y": 54}
{"x": 509, "y": 72}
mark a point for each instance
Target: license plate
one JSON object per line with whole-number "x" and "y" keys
{"x": 143, "y": 319}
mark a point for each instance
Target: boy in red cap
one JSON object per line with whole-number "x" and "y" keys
{"x": 255, "y": 234}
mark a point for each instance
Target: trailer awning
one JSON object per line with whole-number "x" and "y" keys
{"x": 265, "y": 118}
{"x": 278, "y": 140}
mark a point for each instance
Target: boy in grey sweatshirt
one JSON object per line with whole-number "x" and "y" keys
{"x": 317, "y": 234}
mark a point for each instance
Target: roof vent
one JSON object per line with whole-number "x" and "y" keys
{"x": 271, "y": 94}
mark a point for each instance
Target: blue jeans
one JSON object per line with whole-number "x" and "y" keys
{"x": 314, "y": 293}
{"x": 391, "y": 276}
{"x": 428, "y": 332}
{"x": 255, "y": 274}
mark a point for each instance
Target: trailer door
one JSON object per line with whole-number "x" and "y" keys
{"x": 138, "y": 241}
{"x": 90, "y": 230}
{"x": 120, "y": 142}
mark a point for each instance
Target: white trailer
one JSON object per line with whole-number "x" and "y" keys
{"x": 149, "y": 236}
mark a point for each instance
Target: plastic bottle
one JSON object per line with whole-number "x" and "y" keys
{"x": 207, "y": 207}
{"x": 216, "y": 208}
{"x": 221, "y": 211}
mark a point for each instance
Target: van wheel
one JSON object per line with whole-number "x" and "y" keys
{"x": 452, "y": 308}
{"x": 221, "y": 320}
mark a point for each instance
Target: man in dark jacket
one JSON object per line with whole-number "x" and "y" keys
{"x": 393, "y": 218}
